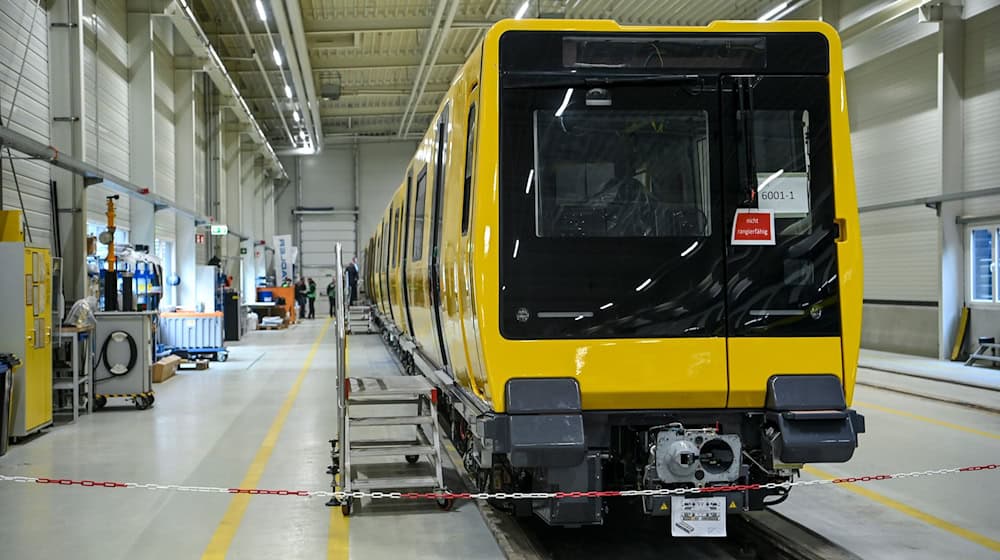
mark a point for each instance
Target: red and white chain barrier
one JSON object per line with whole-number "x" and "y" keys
{"x": 491, "y": 495}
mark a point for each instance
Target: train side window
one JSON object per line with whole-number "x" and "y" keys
{"x": 470, "y": 155}
{"x": 395, "y": 240}
{"x": 419, "y": 202}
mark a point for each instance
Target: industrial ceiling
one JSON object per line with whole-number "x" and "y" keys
{"x": 378, "y": 68}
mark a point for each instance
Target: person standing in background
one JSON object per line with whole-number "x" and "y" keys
{"x": 300, "y": 296}
{"x": 352, "y": 278}
{"x": 311, "y": 295}
{"x": 331, "y": 293}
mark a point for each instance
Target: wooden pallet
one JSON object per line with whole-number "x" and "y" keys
{"x": 272, "y": 327}
{"x": 195, "y": 365}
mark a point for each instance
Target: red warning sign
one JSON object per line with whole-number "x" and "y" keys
{"x": 753, "y": 227}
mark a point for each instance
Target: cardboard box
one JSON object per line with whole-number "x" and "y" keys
{"x": 165, "y": 368}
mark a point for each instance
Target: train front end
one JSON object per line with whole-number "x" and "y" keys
{"x": 676, "y": 259}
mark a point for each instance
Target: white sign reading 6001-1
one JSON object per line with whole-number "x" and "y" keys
{"x": 784, "y": 194}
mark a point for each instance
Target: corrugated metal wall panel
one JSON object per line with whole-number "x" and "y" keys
{"x": 894, "y": 127}
{"x": 982, "y": 110}
{"x": 896, "y": 141}
{"x": 24, "y": 29}
{"x": 106, "y": 97}
{"x": 166, "y": 225}
{"x": 900, "y": 250}
{"x": 200, "y": 147}
{"x": 164, "y": 120}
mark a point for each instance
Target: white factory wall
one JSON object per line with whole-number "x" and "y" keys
{"x": 327, "y": 180}
{"x": 981, "y": 113}
{"x": 105, "y": 77}
{"x": 24, "y": 35}
{"x": 105, "y": 69}
{"x": 896, "y": 136}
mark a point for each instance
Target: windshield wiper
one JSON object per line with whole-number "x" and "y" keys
{"x": 521, "y": 80}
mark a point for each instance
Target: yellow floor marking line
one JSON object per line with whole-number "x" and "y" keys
{"x": 339, "y": 534}
{"x": 224, "y": 533}
{"x": 911, "y": 511}
{"x": 927, "y": 419}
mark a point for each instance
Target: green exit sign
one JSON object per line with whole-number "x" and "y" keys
{"x": 243, "y": 250}
{"x": 220, "y": 229}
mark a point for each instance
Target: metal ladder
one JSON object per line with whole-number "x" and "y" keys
{"x": 359, "y": 319}
{"x": 352, "y": 454}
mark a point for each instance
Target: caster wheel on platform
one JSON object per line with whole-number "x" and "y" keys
{"x": 152, "y": 399}
{"x": 445, "y": 504}
{"x": 412, "y": 459}
{"x": 100, "y": 402}
{"x": 141, "y": 403}
{"x": 222, "y": 356}
{"x": 347, "y": 508}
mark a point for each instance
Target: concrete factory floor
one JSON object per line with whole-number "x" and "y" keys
{"x": 263, "y": 419}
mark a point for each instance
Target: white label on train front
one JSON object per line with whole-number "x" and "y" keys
{"x": 787, "y": 194}
{"x": 697, "y": 517}
{"x": 753, "y": 227}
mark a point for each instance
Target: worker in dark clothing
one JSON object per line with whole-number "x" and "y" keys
{"x": 331, "y": 293}
{"x": 352, "y": 279}
{"x": 300, "y": 297}
{"x": 311, "y": 295}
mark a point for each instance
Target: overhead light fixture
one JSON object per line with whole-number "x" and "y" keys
{"x": 288, "y": 91}
{"x": 565, "y": 102}
{"x": 295, "y": 115}
{"x": 522, "y": 10}
{"x": 277, "y": 57}
{"x": 302, "y": 135}
{"x": 768, "y": 15}
{"x": 260, "y": 11}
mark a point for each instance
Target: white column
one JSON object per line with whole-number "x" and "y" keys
{"x": 66, "y": 102}
{"x": 186, "y": 173}
{"x": 951, "y": 54}
{"x": 142, "y": 122}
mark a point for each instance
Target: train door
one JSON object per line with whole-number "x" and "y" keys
{"x": 783, "y": 301}
{"x": 407, "y": 213}
{"x": 386, "y": 260}
{"x": 467, "y": 309}
{"x": 434, "y": 269}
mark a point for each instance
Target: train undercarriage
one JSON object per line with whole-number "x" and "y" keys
{"x": 546, "y": 442}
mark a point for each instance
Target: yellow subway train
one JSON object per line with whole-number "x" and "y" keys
{"x": 631, "y": 258}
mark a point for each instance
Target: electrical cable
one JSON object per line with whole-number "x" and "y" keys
{"x": 118, "y": 369}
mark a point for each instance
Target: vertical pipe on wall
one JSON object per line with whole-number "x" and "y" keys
{"x": 66, "y": 98}
{"x": 357, "y": 197}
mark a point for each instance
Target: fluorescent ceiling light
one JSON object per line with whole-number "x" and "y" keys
{"x": 531, "y": 177}
{"x": 688, "y": 251}
{"x": 517, "y": 245}
{"x": 644, "y": 285}
{"x": 768, "y": 15}
{"x": 608, "y": 305}
{"x": 295, "y": 115}
{"x": 302, "y": 135}
{"x": 565, "y": 102}
{"x": 522, "y": 10}
{"x": 260, "y": 11}
{"x": 277, "y": 56}
{"x": 288, "y": 91}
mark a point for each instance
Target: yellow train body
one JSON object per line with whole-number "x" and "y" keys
{"x": 710, "y": 372}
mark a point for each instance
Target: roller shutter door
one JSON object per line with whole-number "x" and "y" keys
{"x": 19, "y": 20}
{"x": 982, "y": 110}
{"x": 896, "y": 142}
{"x": 317, "y": 251}
{"x": 105, "y": 67}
